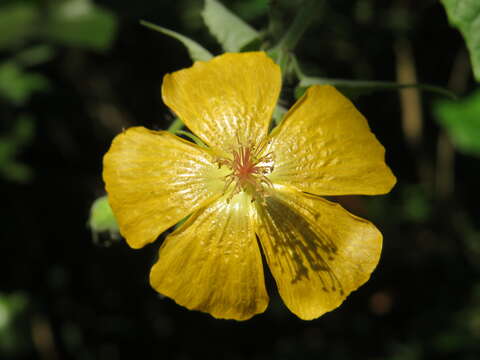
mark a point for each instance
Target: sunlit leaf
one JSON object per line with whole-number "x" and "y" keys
{"x": 197, "y": 52}
{"x": 461, "y": 120}
{"x": 465, "y": 16}
{"x": 231, "y": 31}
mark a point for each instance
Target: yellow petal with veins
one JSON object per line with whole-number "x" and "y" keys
{"x": 212, "y": 263}
{"x": 317, "y": 252}
{"x": 154, "y": 179}
{"x": 227, "y": 98}
{"x": 324, "y": 146}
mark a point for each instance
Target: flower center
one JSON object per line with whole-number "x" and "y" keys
{"x": 249, "y": 167}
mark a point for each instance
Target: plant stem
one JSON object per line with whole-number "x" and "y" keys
{"x": 302, "y": 20}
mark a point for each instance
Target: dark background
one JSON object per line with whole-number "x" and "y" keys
{"x": 65, "y": 296}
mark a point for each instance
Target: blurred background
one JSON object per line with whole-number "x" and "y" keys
{"x": 74, "y": 73}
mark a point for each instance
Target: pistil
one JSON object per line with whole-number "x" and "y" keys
{"x": 249, "y": 167}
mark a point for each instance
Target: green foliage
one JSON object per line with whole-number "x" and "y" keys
{"x": 17, "y": 21}
{"x": 278, "y": 113}
{"x": 250, "y": 9}
{"x": 34, "y": 55}
{"x": 17, "y": 85}
{"x": 196, "y": 51}
{"x": 465, "y": 16}
{"x": 14, "y": 325}
{"x": 11, "y": 144}
{"x": 235, "y": 35}
{"x": 102, "y": 218}
{"x": 80, "y": 23}
{"x": 231, "y": 31}
{"x": 76, "y": 23}
{"x": 461, "y": 120}
{"x": 355, "y": 88}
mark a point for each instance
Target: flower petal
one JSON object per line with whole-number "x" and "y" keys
{"x": 228, "y": 98}
{"x": 324, "y": 146}
{"x": 317, "y": 252}
{"x": 154, "y": 179}
{"x": 213, "y": 263}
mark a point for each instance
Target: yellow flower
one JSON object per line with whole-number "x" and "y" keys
{"x": 249, "y": 187}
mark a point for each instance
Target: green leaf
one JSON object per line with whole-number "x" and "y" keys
{"x": 102, "y": 218}
{"x": 231, "y": 31}
{"x": 465, "y": 16}
{"x": 359, "y": 87}
{"x": 17, "y": 86}
{"x": 461, "y": 120}
{"x": 197, "y": 52}
{"x": 16, "y": 23}
{"x": 80, "y": 23}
